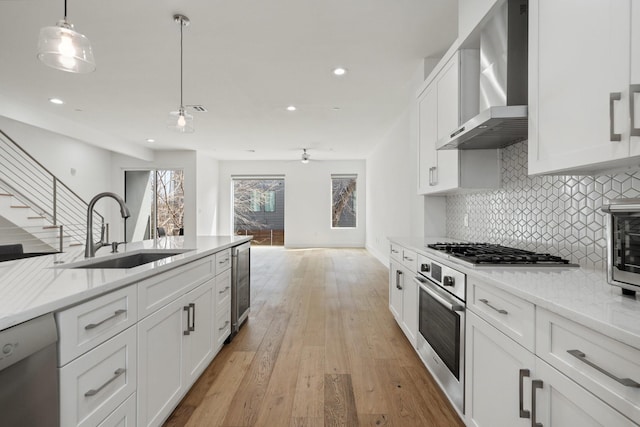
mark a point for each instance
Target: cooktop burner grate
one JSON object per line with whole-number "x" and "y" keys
{"x": 490, "y": 254}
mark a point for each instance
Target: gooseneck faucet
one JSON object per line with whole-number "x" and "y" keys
{"x": 91, "y": 247}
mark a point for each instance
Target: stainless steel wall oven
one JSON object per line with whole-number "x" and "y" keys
{"x": 441, "y": 325}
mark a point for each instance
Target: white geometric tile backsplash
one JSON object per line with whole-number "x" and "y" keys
{"x": 556, "y": 214}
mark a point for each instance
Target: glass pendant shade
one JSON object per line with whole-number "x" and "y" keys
{"x": 181, "y": 121}
{"x": 62, "y": 48}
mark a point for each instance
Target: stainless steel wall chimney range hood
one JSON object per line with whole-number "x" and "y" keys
{"x": 503, "y": 84}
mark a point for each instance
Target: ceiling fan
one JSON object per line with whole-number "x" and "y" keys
{"x": 305, "y": 156}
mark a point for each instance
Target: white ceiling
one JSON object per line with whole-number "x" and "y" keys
{"x": 244, "y": 60}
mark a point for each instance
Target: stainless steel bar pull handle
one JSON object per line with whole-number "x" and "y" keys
{"x": 398, "y": 274}
{"x": 523, "y": 413}
{"x": 499, "y": 310}
{"x": 633, "y": 91}
{"x": 115, "y": 314}
{"x": 431, "y": 176}
{"x": 116, "y": 374}
{"x": 535, "y": 384}
{"x": 613, "y": 96}
{"x": 628, "y": 382}
{"x": 188, "y": 330}
{"x": 192, "y": 306}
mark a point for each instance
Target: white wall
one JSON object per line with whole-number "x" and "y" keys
{"x": 84, "y": 168}
{"x": 307, "y": 199}
{"x": 207, "y": 199}
{"x": 393, "y": 208}
{"x": 185, "y": 160}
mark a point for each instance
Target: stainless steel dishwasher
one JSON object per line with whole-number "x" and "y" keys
{"x": 29, "y": 374}
{"x": 240, "y": 286}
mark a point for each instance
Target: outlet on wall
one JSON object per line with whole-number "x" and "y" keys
{"x": 466, "y": 219}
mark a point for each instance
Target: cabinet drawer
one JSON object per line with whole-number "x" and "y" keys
{"x": 123, "y": 416}
{"x": 223, "y": 261}
{"x": 598, "y": 363}
{"x": 410, "y": 260}
{"x": 513, "y": 316}
{"x": 396, "y": 252}
{"x": 94, "y": 385}
{"x": 86, "y": 325}
{"x": 222, "y": 327}
{"x": 223, "y": 291}
{"x": 160, "y": 290}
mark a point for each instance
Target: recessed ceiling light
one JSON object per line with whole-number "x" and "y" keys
{"x": 151, "y": 140}
{"x": 339, "y": 71}
{"x": 291, "y": 108}
{"x": 251, "y": 151}
{"x": 56, "y": 101}
{"x": 335, "y": 108}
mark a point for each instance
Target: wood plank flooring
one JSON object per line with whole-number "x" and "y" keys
{"x": 320, "y": 348}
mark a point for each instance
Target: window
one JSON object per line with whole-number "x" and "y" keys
{"x": 343, "y": 201}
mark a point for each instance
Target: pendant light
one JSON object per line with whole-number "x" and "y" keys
{"x": 180, "y": 120}
{"x": 62, "y": 48}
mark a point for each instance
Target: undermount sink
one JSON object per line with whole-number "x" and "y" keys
{"x": 127, "y": 261}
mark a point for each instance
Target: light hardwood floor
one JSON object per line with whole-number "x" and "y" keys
{"x": 320, "y": 348}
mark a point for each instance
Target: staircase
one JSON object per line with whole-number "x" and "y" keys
{"x": 36, "y": 208}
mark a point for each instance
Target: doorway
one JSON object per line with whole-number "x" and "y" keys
{"x": 156, "y": 201}
{"x": 258, "y": 208}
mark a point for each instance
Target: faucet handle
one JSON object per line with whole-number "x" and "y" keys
{"x": 114, "y": 246}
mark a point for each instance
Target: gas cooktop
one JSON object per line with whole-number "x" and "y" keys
{"x": 490, "y": 254}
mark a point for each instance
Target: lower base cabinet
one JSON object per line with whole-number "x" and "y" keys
{"x": 560, "y": 402}
{"x": 403, "y": 300}
{"x": 123, "y": 416}
{"x": 496, "y": 390}
{"x": 508, "y": 386}
{"x": 175, "y": 344}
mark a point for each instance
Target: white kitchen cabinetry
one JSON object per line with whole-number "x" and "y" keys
{"x": 560, "y": 402}
{"x": 172, "y": 351}
{"x": 604, "y": 366}
{"x": 580, "y": 84}
{"x": 198, "y": 343}
{"x": 510, "y": 385}
{"x": 496, "y": 390}
{"x": 448, "y": 100}
{"x": 95, "y": 384}
{"x": 222, "y": 321}
{"x": 395, "y": 290}
{"x": 403, "y": 293}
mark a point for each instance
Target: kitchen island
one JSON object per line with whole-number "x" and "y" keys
{"x": 131, "y": 341}
{"x": 36, "y": 286}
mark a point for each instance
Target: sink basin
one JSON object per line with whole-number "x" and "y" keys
{"x": 127, "y": 261}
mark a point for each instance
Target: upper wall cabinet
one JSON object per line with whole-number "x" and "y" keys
{"x": 584, "y": 93}
{"x": 449, "y": 99}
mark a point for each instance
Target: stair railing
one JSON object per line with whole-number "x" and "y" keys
{"x": 35, "y": 186}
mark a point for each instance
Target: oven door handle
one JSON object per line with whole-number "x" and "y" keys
{"x": 444, "y": 301}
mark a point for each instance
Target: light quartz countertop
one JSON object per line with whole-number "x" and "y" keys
{"x": 35, "y": 286}
{"x": 577, "y": 293}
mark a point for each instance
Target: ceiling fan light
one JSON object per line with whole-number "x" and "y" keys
{"x": 181, "y": 121}
{"x": 305, "y": 157}
{"x": 62, "y": 48}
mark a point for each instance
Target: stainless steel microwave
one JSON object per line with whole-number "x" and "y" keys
{"x": 623, "y": 244}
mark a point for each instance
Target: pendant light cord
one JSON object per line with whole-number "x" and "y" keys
{"x": 65, "y": 10}
{"x": 181, "y": 29}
